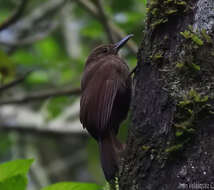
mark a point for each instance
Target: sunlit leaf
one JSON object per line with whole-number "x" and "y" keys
{"x": 18, "y": 182}
{"x": 14, "y": 168}
{"x": 13, "y": 174}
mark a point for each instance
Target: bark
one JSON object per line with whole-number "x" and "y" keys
{"x": 171, "y": 140}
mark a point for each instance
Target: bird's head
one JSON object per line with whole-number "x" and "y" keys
{"x": 109, "y": 49}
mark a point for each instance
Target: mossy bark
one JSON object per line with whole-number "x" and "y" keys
{"x": 171, "y": 141}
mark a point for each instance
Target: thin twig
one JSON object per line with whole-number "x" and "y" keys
{"x": 15, "y": 82}
{"x": 18, "y": 13}
{"x": 35, "y": 26}
{"x": 115, "y": 29}
{"x": 104, "y": 20}
{"x": 42, "y": 96}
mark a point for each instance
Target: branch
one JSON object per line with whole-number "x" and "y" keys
{"x": 42, "y": 96}
{"x": 18, "y": 13}
{"x": 39, "y": 130}
{"x": 114, "y": 28}
{"x": 15, "y": 82}
{"x": 34, "y": 26}
{"x": 24, "y": 119}
{"x": 104, "y": 20}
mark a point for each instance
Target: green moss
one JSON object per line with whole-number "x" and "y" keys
{"x": 189, "y": 111}
{"x": 186, "y": 34}
{"x": 168, "y": 1}
{"x": 183, "y": 3}
{"x": 174, "y": 148}
{"x": 171, "y": 11}
{"x": 161, "y": 11}
{"x": 195, "y": 67}
{"x": 192, "y": 44}
{"x": 179, "y": 65}
{"x": 154, "y": 11}
{"x": 190, "y": 35}
{"x": 206, "y": 36}
{"x": 187, "y": 66}
{"x": 116, "y": 182}
{"x": 154, "y": 150}
{"x": 158, "y": 22}
{"x": 158, "y": 55}
{"x": 196, "y": 97}
{"x": 197, "y": 40}
{"x": 184, "y": 128}
{"x": 184, "y": 102}
{"x": 184, "y": 125}
{"x": 179, "y": 133}
{"x": 153, "y": 2}
{"x": 145, "y": 148}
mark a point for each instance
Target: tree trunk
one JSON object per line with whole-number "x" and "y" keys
{"x": 171, "y": 141}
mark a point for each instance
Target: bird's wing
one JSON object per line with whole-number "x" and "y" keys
{"x": 97, "y": 101}
{"x": 106, "y": 101}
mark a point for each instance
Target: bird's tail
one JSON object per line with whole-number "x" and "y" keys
{"x": 109, "y": 147}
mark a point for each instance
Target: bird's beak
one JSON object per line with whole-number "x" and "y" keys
{"x": 122, "y": 42}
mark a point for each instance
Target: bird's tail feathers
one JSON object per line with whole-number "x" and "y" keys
{"x": 108, "y": 156}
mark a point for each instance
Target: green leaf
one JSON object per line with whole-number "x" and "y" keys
{"x": 72, "y": 186}
{"x": 13, "y": 174}
{"x": 19, "y": 182}
{"x": 14, "y": 168}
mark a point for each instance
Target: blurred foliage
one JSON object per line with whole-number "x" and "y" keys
{"x": 5, "y": 143}
{"x": 56, "y": 64}
{"x": 72, "y": 186}
{"x": 94, "y": 165}
{"x": 13, "y": 174}
{"x": 13, "y": 177}
{"x": 56, "y": 105}
{"x": 6, "y": 67}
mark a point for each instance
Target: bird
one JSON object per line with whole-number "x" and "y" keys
{"x": 106, "y": 87}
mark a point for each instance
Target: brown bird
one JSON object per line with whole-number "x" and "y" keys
{"x": 106, "y": 96}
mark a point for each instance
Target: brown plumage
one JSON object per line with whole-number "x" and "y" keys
{"x": 106, "y": 95}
